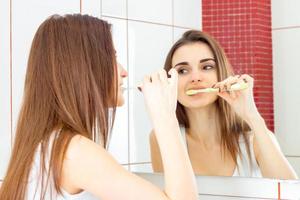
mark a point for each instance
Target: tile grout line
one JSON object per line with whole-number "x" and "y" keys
{"x": 80, "y": 6}
{"x": 128, "y": 97}
{"x": 10, "y": 72}
{"x": 148, "y": 22}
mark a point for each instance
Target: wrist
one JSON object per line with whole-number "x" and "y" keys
{"x": 255, "y": 120}
{"x": 164, "y": 120}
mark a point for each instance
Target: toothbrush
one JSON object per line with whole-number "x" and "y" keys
{"x": 234, "y": 87}
{"x": 133, "y": 87}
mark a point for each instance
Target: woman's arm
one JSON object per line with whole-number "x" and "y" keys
{"x": 269, "y": 156}
{"x": 271, "y": 160}
{"x": 90, "y": 167}
{"x": 155, "y": 154}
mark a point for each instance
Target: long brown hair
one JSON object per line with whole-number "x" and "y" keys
{"x": 71, "y": 81}
{"x": 231, "y": 126}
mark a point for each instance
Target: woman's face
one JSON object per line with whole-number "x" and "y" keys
{"x": 197, "y": 69}
{"x": 122, "y": 73}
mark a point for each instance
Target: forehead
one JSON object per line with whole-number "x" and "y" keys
{"x": 191, "y": 52}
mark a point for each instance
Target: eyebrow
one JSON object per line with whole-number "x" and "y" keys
{"x": 201, "y": 61}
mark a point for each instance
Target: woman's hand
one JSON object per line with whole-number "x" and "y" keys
{"x": 160, "y": 93}
{"x": 242, "y": 101}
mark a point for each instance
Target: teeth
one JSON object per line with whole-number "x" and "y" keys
{"x": 192, "y": 92}
{"x": 234, "y": 87}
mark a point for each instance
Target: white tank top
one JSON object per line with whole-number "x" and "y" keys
{"x": 35, "y": 182}
{"x": 245, "y": 167}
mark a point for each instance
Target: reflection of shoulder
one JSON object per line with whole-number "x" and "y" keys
{"x": 153, "y": 140}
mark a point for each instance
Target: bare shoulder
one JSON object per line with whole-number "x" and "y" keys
{"x": 88, "y": 166}
{"x": 81, "y": 146}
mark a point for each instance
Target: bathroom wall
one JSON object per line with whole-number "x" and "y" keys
{"x": 143, "y": 32}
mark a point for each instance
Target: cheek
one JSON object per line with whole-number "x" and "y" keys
{"x": 215, "y": 77}
{"x": 181, "y": 85}
{"x": 211, "y": 79}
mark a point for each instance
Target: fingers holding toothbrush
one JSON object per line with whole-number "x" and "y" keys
{"x": 239, "y": 98}
{"x": 160, "y": 92}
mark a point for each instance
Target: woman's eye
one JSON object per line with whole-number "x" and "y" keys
{"x": 182, "y": 71}
{"x": 208, "y": 67}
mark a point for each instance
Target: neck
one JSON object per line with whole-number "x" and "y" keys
{"x": 203, "y": 124}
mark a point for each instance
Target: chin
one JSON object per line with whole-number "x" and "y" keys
{"x": 200, "y": 103}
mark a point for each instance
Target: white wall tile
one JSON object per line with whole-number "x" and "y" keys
{"x": 118, "y": 145}
{"x": 188, "y": 13}
{"x": 25, "y": 25}
{"x": 146, "y": 168}
{"x": 148, "y": 46}
{"x": 151, "y": 11}
{"x": 285, "y": 13}
{"x": 92, "y": 7}
{"x": 119, "y": 33}
{"x": 140, "y": 127}
{"x": 286, "y": 72}
{"x": 115, "y": 8}
{"x": 119, "y": 141}
{"x": 178, "y": 32}
{"x": 5, "y": 126}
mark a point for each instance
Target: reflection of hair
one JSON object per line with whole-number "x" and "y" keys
{"x": 231, "y": 126}
{"x": 71, "y": 82}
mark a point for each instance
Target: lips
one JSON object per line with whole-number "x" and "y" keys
{"x": 196, "y": 88}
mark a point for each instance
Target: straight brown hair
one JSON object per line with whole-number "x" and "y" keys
{"x": 71, "y": 82}
{"x": 231, "y": 126}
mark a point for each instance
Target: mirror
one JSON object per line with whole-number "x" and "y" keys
{"x": 143, "y": 32}
{"x": 276, "y": 83}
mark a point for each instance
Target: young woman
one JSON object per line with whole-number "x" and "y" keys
{"x": 224, "y": 133}
{"x": 73, "y": 85}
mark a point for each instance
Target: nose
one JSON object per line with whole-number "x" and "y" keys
{"x": 123, "y": 72}
{"x": 196, "y": 77}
